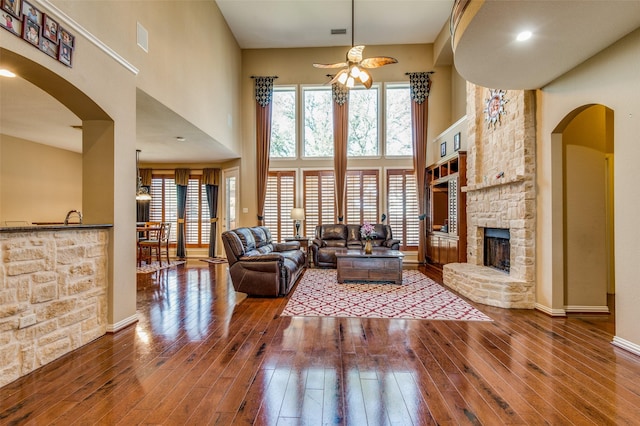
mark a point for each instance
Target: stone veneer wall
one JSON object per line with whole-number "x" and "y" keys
{"x": 53, "y": 296}
{"x": 500, "y": 194}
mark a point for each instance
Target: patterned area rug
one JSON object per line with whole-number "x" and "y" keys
{"x": 418, "y": 297}
{"x": 214, "y": 260}
{"x": 155, "y": 266}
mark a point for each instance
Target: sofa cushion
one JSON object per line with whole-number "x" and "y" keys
{"x": 260, "y": 236}
{"x": 246, "y": 236}
{"x": 334, "y": 232}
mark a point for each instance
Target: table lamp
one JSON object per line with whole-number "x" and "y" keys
{"x": 297, "y": 214}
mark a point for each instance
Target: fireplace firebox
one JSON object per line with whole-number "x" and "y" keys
{"x": 497, "y": 248}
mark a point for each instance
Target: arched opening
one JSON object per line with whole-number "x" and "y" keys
{"x": 584, "y": 141}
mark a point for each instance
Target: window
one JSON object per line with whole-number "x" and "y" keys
{"x": 319, "y": 199}
{"x": 164, "y": 208}
{"x": 363, "y": 123}
{"x": 398, "y": 121}
{"x": 402, "y": 202}
{"x": 318, "y": 122}
{"x": 281, "y": 190}
{"x": 362, "y": 196}
{"x": 283, "y": 123}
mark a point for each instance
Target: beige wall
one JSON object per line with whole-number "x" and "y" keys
{"x": 585, "y": 202}
{"x": 294, "y": 66}
{"x": 196, "y": 75}
{"x": 53, "y": 175}
{"x": 610, "y": 79}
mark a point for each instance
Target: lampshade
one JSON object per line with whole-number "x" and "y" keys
{"x": 297, "y": 213}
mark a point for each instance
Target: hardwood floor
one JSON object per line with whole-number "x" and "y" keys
{"x": 197, "y": 358}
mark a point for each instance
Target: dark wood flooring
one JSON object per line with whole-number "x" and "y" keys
{"x": 196, "y": 358}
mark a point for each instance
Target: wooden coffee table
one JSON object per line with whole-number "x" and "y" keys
{"x": 380, "y": 266}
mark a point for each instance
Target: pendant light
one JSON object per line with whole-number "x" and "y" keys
{"x": 142, "y": 193}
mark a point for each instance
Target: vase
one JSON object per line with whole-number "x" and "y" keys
{"x": 368, "y": 248}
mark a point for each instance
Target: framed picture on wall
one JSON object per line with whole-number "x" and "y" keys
{"x": 12, "y": 6}
{"x": 66, "y": 37}
{"x": 11, "y": 23}
{"x": 31, "y": 31}
{"x": 65, "y": 54}
{"x": 443, "y": 149}
{"x": 31, "y": 13}
{"x": 456, "y": 142}
{"x": 49, "y": 47}
{"x": 49, "y": 29}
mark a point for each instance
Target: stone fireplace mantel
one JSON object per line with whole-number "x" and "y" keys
{"x": 500, "y": 194}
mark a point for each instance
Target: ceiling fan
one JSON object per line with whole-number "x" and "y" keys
{"x": 355, "y": 68}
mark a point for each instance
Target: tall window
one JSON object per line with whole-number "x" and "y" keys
{"x": 363, "y": 123}
{"x": 402, "y": 202}
{"x": 319, "y": 199}
{"x": 398, "y": 120}
{"x": 362, "y": 196}
{"x": 281, "y": 194}
{"x": 283, "y": 123}
{"x": 164, "y": 208}
{"x": 318, "y": 122}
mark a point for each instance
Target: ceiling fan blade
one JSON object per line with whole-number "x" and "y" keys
{"x": 355, "y": 54}
{"x": 336, "y": 65}
{"x": 377, "y": 61}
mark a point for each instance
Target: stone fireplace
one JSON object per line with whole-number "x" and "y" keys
{"x": 500, "y": 201}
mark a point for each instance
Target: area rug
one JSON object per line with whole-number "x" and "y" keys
{"x": 318, "y": 294}
{"x": 155, "y": 266}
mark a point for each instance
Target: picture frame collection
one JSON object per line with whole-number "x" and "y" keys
{"x": 24, "y": 20}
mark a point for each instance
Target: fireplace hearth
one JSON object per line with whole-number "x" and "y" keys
{"x": 497, "y": 253}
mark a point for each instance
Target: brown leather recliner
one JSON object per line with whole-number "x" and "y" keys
{"x": 334, "y": 237}
{"x": 260, "y": 267}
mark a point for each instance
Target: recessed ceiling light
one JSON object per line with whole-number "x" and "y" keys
{"x": 524, "y": 35}
{"x": 180, "y": 138}
{"x": 6, "y": 73}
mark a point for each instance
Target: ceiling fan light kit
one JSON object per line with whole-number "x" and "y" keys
{"x": 355, "y": 68}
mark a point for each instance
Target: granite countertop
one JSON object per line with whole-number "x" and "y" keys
{"x": 53, "y": 226}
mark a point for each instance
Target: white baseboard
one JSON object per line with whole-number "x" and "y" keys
{"x": 550, "y": 311}
{"x": 113, "y": 328}
{"x": 626, "y": 345}
{"x": 587, "y": 309}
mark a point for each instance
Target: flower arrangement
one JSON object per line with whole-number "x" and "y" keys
{"x": 367, "y": 231}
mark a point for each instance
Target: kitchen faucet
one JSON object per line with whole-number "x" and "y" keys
{"x": 66, "y": 219}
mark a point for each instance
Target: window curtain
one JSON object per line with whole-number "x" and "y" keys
{"x": 142, "y": 213}
{"x": 182, "y": 181}
{"x": 211, "y": 180}
{"x": 340, "y": 139}
{"x": 263, "y": 92}
{"x": 420, "y": 83}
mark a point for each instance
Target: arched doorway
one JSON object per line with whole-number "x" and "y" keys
{"x": 586, "y": 139}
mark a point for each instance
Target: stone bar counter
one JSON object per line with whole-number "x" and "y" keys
{"x": 53, "y": 293}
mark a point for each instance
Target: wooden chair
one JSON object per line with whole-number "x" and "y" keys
{"x": 152, "y": 245}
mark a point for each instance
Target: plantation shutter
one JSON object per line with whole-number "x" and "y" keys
{"x": 403, "y": 207}
{"x": 279, "y": 201}
{"x": 319, "y": 199}
{"x": 362, "y": 196}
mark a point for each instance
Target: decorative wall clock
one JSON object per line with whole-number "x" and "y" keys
{"x": 494, "y": 106}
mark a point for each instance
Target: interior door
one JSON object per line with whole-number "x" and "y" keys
{"x": 230, "y": 198}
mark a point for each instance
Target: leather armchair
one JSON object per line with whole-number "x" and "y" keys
{"x": 260, "y": 267}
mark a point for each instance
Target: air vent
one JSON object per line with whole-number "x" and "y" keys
{"x": 337, "y": 31}
{"x": 143, "y": 38}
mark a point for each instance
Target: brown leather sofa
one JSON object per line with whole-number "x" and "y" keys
{"x": 330, "y": 238}
{"x": 260, "y": 267}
